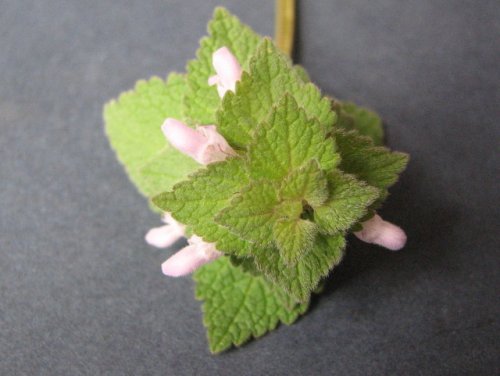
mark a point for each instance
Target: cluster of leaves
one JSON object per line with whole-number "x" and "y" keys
{"x": 309, "y": 169}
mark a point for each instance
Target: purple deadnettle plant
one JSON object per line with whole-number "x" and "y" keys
{"x": 263, "y": 174}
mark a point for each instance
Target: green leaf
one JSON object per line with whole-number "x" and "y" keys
{"x": 252, "y": 212}
{"x": 166, "y": 169}
{"x": 225, "y": 29}
{"x": 294, "y": 238}
{"x": 238, "y": 306}
{"x": 300, "y": 279}
{"x": 196, "y": 201}
{"x": 302, "y": 73}
{"x": 271, "y": 76}
{"x": 279, "y": 209}
{"x": 376, "y": 165}
{"x": 348, "y": 202}
{"x": 258, "y": 215}
{"x": 286, "y": 141}
{"x": 307, "y": 183}
{"x": 364, "y": 121}
{"x": 289, "y": 209}
{"x": 246, "y": 263}
{"x": 133, "y": 125}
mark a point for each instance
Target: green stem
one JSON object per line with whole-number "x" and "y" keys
{"x": 285, "y": 25}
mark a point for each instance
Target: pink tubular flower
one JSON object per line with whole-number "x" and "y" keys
{"x": 165, "y": 236}
{"x": 190, "y": 258}
{"x": 228, "y": 71}
{"x": 383, "y": 233}
{"x": 204, "y": 144}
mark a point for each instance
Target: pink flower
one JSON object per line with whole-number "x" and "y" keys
{"x": 190, "y": 258}
{"x": 204, "y": 144}
{"x": 165, "y": 236}
{"x": 228, "y": 71}
{"x": 383, "y": 233}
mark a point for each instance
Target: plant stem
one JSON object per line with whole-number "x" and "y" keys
{"x": 285, "y": 25}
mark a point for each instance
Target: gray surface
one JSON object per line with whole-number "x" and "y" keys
{"x": 80, "y": 292}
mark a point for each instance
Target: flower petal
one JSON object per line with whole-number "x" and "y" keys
{"x": 383, "y": 233}
{"x": 185, "y": 139}
{"x": 227, "y": 67}
{"x": 164, "y": 236}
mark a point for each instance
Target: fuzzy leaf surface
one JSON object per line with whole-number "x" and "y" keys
{"x": 301, "y": 278}
{"x": 294, "y": 238}
{"x": 287, "y": 140}
{"x": 348, "y": 202}
{"x": 196, "y": 201}
{"x": 308, "y": 183}
{"x": 252, "y": 213}
{"x": 238, "y": 306}
{"x": 375, "y": 165}
{"x": 366, "y": 122}
{"x": 133, "y": 124}
{"x": 270, "y": 77}
{"x": 226, "y": 30}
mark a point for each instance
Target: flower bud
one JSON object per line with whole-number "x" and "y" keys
{"x": 165, "y": 236}
{"x": 190, "y": 258}
{"x": 204, "y": 144}
{"x": 383, "y": 233}
{"x": 228, "y": 71}
{"x": 185, "y": 139}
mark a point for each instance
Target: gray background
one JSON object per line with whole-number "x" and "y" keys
{"x": 82, "y": 294}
